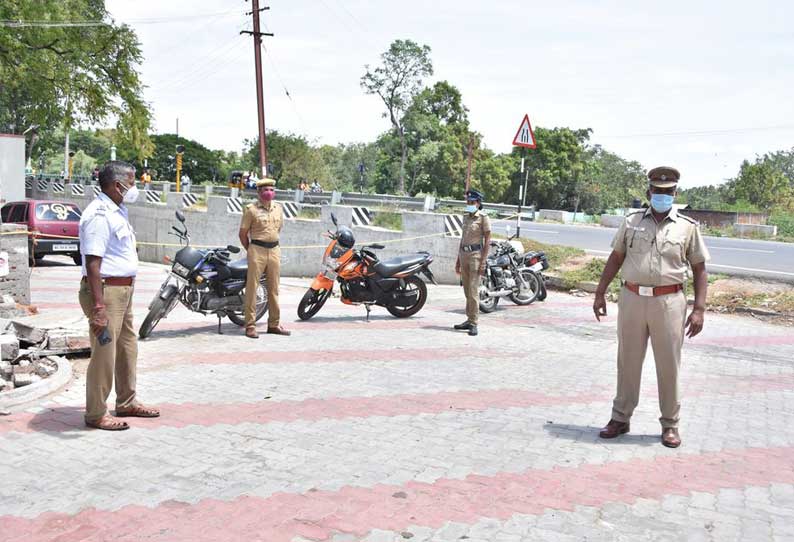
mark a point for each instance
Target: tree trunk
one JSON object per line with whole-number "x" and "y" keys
{"x": 403, "y": 158}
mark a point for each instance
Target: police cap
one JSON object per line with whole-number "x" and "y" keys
{"x": 267, "y": 181}
{"x": 664, "y": 177}
{"x": 474, "y": 195}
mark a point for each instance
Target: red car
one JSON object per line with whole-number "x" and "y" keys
{"x": 54, "y": 224}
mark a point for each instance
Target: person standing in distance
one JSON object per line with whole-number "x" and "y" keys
{"x": 472, "y": 256}
{"x": 110, "y": 264}
{"x": 259, "y": 235}
{"x": 653, "y": 248}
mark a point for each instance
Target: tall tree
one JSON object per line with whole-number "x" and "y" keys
{"x": 62, "y": 75}
{"x": 396, "y": 82}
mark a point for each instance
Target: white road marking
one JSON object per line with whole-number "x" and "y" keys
{"x": 751, "y": 269}
{"x": 743, "y": 249}
{"x": 598, "y": 251}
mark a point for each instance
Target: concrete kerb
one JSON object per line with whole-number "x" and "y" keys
{"x": 21, "y": 396}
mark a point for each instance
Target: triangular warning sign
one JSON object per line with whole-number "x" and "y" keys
{"x": 525, "y": 137}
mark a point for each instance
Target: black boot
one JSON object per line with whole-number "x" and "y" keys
{"x": 472, "y": 330}
{"x": 464, "y": 325}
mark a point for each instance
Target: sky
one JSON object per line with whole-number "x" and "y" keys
{"x": 697, "y": 85}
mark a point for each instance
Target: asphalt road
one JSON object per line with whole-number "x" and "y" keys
{"x": 764, "y": 259}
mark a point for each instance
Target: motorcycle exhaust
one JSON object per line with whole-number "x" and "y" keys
{"x": 499, "y": 293}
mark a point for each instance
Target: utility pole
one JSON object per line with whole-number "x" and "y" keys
{"x": 260, "y": 102}
{"x": 468, "y": 167}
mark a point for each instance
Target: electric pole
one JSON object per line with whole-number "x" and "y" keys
{"x": 257, "y": 34}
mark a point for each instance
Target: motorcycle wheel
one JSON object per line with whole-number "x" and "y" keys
{"x": 531, "y": 293}
{"x": 487, "y": 304}
{"x": 311, "y": 303}
{"x": 160, "y": 308}
{"x": 411, "y": 284}
{"x": 238, "y": 317}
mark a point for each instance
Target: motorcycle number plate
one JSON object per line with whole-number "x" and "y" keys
{"x": 537, "y": 268}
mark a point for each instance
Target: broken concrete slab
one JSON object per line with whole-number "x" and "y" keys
{"x": 9, "y": 347}
{"x": 68, "y": 340}
{"x": 29, "y": 334}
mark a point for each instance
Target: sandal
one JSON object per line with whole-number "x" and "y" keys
{"x": 138, "y": 411}
{"x": 108, "y": 423}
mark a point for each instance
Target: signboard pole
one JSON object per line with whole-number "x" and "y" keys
{"x": 524, "y": 138}
{"x": 522, "y": 192}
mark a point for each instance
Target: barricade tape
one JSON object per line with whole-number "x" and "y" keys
{"x": 283, "y": 247}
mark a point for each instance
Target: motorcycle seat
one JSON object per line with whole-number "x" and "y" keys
{"x": 387, "y": 268}
{"x": 239, "y": 268}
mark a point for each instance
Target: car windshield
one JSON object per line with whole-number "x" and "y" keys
{"x": 61, "y": 212}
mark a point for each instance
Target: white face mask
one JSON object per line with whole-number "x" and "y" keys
{"x": 471, "y": 208}
{"x": 131, "y": 195}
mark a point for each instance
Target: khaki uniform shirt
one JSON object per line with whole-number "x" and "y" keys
{"x": 263, "y": 224}
{"x": 657, "y": 254}
{"x": 475, "y": 226}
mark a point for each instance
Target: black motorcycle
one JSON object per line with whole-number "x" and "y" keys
{"x": 509, "y": 272}
{"x": 204, "y": 281}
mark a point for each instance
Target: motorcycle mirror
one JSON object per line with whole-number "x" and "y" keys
{"x": 233, "y": 249}
{"x": 180, "y": 216}
{"x": 376, "y": 246}
{"x": 333, "y": 219}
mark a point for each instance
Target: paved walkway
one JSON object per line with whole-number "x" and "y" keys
{"x": 399, "y": 430}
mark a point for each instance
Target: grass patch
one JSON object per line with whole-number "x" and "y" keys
{"x": 388, "y": 220}
{"x": 311, "y": 213}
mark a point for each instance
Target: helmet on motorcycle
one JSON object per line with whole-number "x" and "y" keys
{"x": 344, "y": 236}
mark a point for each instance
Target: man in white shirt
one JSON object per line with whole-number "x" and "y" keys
{"x": 110, "y": 263}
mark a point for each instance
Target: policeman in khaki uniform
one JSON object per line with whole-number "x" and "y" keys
{"x": 259, "y": 232}
{"x": 472, "y": 256}
{"x": 653, "y": 247}
{"x": 110, "y": 264}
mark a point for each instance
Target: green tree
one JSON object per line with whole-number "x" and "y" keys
{"x": 396, "y": 82}
{"x": 291, "y": 159}
{"x": 199, "y": 162}
{"x": 60, "y": 76}
{"x": 762, "y": 184}
{"x": 613, "y": 182}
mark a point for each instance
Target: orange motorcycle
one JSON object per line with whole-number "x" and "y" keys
{"x": 366, "y": 280}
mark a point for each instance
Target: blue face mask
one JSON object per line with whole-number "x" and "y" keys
{"x": 662, "y": 203}
{"x": 471, "y": 208}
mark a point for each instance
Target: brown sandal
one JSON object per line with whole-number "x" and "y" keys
{"x": 108, "y": 423}
{"x": 138, "y": 411}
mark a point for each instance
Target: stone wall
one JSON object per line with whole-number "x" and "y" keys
{"x": 14, "y": 242}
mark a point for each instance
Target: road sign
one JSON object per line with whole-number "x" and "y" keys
{"x": 525, "y": 137}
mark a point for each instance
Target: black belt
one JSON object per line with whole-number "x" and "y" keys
{"x": 264, "y": 244}
{"x": 470, "y": 248}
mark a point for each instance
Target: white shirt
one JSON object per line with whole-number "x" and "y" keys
{"x": 105, "y": 231}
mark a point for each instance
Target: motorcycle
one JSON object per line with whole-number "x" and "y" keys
{"x": 365, "y": 279}
{"x": 204, "y": 281}
{"x": 509, "y": 272}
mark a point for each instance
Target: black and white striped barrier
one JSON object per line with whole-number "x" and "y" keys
{"x": 290, "y": 209}
{"x": 152, "y": 196}
{"x": 78, "y": 190}
{"x": 57, "y": 188}
{"x": 42, "y": 186}
{"x": 96, "y": 190}
{"x": 453, "y": 225}
{"x": 361, "y": 216}
{"x": 234, "y": 205}
{"x": 189, "y": 199}
{"x": 28, "y": 184}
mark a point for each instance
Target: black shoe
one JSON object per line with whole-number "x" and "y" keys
{"x": 472, "y": 330}
{"x": 464, "y": 325}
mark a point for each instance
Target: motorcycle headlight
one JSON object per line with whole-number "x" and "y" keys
{"x": 337, "y": 251}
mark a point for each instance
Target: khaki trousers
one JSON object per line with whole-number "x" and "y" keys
{"x": 470, "y": 276}
{"x": 117, "y": 359}
{"x": 661, "y": 319}
{"x": 263, "y": 261}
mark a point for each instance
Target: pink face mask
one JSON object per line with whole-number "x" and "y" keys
{"x": 267, "y": 195}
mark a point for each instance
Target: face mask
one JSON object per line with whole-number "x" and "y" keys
{"x": 662, "y": 203}
{"x": 471, "y": 208}
{"x": 131, "y": 195}
{"x": 267, "y": 195}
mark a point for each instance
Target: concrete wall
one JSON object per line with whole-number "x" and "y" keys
{"x": 14, "y": 242}
{"x": 612, "y": 221}
{"x": 12, "y": 168}
{"x": 565, "y": 217}
{"x": 302, "y": 242}
{"x": 755, "y": 229}
{"x": 725, "y": 219}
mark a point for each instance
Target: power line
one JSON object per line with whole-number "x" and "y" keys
{"x": 286, "y": 90}
{"x": 150, "y": 20}
{"x": 704, "y": 132}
